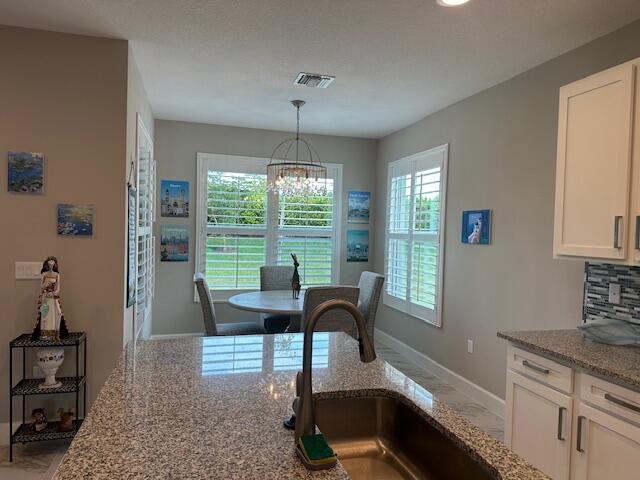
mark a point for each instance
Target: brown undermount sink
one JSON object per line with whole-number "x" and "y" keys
{"x": 380, "y": 437}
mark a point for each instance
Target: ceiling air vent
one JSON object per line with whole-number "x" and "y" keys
{"x": 313, "y": 80}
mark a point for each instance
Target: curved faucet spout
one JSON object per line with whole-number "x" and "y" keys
{"x": 303, "y": 405}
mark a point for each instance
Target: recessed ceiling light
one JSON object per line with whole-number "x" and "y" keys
{"x": 451, "y": 3}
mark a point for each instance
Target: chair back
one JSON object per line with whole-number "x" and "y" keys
{"x": 334, "y": 320}
{"x": 370, "y": 286}
{"x": 208, "y": 312}
{"x": 275, "y": 277}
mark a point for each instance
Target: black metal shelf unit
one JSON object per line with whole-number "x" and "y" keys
{"x": 29, "y": 386}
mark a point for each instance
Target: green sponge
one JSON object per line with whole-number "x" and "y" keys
{"x": 316, "y": 449}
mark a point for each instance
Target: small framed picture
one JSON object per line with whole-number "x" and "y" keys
{"x": 174, "y": 198}
{"x": 359, "y": 207}
{"x": 357, "y": 245}
{"x": 75, "y": 219}
{"x": 25, "y": 172}
{"x": 174, "y": 243}
{"x": 476, "y": 227}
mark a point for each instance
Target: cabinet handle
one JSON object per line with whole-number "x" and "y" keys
{"x": 622, "y": 403}
{"x": 537, "y": 368}
{"x": 616, "y": 231}
{"x": 637, "y": 232}
{"x": 560, "y": 418}
{"x": 581, "y": 418}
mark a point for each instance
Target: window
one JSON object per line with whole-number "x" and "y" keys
{"x": 246, "y": 227}
{"x": 145, "y": 238}
{"x": 416, "y": 193}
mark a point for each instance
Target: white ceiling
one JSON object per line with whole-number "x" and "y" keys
{"x": 232, "y": 62}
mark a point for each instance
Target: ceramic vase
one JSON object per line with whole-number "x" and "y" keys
{"x": 49, "y": 361}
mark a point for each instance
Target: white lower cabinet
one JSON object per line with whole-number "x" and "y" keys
{"x": 605, "y": 447}
{"x": 538, "y": 425}
{"x": 589, "y": 431}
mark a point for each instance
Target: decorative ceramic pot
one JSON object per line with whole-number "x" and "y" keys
{"x": 49, "y": 361}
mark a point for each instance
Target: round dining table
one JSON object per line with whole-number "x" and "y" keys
{"x": 271, "y": 301}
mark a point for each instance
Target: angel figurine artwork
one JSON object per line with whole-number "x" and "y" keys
{"x": 50, "y": 324}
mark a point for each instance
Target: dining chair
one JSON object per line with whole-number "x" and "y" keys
{"x": 209, "y": 314}
{"x": 370, "y": 286}
{"x": 275, "y": 277}
{"x": 335, "y": 320}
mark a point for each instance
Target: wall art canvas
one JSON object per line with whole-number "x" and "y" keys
{"x": 174, "y": 243}
{"x": 75, "y": 219}
{"x": 359, "y": 207}
{"x": 476, "y": 227}
{"x": 357, "y": 245}
{"x": 25, "y": 172}
{"x": 131, "y": 245}
{"x": 174, "y": 198}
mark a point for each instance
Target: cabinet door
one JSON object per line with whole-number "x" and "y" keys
{"x": 538, "y": 425}
{"x": 593, "y": 165}
{"x": 605, "y": 447}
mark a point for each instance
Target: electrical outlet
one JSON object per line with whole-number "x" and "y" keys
{"x": 614, "y": 293}
{"x": 28, "y": 270}
{"x": 469, "y": 346}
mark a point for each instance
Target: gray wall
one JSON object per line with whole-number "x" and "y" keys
{"x": 175, "y": 151}
{"x": 502, "y": 156}
{"x": 66, "y": 96}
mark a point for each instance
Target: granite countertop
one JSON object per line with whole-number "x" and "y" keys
{"x": 615, "y": 363}
{"x": 213, "y": 408}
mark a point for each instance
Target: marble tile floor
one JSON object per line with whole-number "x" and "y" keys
{"x": 32, "y": 461}
{"x": 463, "y": 405}
{"x": 38, "y": 461}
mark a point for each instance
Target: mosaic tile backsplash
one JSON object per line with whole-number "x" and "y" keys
{"x": 596, "y": 292}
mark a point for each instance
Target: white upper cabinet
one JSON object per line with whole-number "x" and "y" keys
{"x": 595, "y": 213}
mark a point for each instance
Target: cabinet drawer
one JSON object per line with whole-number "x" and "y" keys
{"x": 541, "y": 369}
{"x": 609, "y": 397}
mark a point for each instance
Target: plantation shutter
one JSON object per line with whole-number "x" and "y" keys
{"x": 246, "y": 227}
{"x": 305, "y": 226}
{"x": 414, "y": 243}
{"x": 145, "y": 239}
{"x": 236, "y": 229}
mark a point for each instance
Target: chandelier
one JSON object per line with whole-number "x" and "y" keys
{"x": 294, "y": 167}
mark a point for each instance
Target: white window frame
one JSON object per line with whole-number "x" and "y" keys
{"x": 409, "y": 163}
{"x": 242, "y": 164}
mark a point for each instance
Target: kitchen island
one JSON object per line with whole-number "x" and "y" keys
{"x": 213, "y": 407}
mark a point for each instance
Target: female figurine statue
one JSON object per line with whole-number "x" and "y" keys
{"x": 51, "y": 324}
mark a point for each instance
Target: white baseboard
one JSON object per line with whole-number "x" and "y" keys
{"x": 4, "y": 432}
{"x": 170, "y": 336}
{"x": 493, "y": 403}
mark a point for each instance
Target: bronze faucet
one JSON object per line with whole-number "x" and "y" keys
{"x": 303, "y": 404}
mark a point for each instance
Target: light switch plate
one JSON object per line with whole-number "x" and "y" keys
{"x": 28, "y": 270}
{"x": 614, "y": 293}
